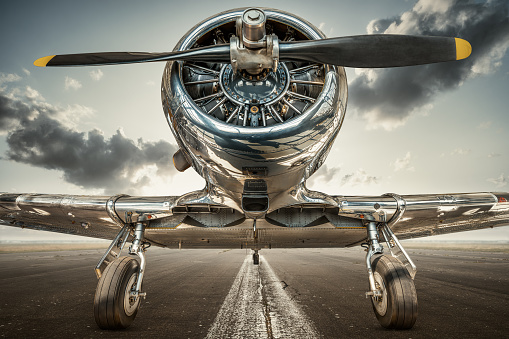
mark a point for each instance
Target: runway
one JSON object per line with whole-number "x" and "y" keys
{"x": 220, "y": 294}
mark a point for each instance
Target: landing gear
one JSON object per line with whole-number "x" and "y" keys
{"x": 118, "y": 294}
{"x": 396, "y": 307}
{"x": 256, "y": 258}
{"x": 114, "y": 307}
{"x": 392, "y": 288}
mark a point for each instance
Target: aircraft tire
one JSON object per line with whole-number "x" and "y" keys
{"x": 113, "y": 308}
{"x": 397, "y": 308}
{"x": 256, "y": 259}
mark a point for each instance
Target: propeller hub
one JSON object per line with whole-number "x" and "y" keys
{"x": 253, "y": 27}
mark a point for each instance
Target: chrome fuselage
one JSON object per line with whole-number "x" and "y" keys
{"x": 283, "y": 154}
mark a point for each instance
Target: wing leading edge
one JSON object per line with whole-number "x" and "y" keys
{"x": 177, "y": 222}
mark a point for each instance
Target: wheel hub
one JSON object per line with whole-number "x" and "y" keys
{"x": 131, "y": 302}
{"x": 380, "y": 302}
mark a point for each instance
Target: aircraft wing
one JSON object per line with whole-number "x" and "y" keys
{"x": 192, "y": 221}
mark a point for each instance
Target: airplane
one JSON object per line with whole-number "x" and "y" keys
{"x": 255, "y": 99}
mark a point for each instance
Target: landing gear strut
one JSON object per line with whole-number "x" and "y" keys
{"x": 392, "y": 289}
{"x": 118, "y": 293}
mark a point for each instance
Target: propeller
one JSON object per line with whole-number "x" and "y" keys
{"x": 216, "y": 53}
{"x": 362, "y": 51}
{"x": 377, "y": 50}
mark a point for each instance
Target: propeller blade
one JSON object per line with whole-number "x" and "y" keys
{"x": 376, "y": 50}
{"x": 216, "y": 53}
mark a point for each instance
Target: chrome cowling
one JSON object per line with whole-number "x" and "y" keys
{"x": 282, "y": 148}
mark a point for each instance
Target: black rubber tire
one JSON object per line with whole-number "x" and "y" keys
{"x": 401, "y": 297}
{"x": 109, "y": 310}
{"x": 256, "y": 259}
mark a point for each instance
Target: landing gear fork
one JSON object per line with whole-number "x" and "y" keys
{"x": 118, "y": 293}
{"x": 392, "y": 288}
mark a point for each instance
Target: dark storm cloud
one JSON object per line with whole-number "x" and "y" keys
{"x": 12, "y": 112}
{"x": 36, "y": 135}
{"x": 387, "y": 97}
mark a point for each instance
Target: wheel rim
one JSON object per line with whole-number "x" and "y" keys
{"x": 380, "y": 303}
{"x": 130, "y": 302}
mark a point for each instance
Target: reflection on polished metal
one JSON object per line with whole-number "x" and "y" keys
{"x": 255, "y": 129}
{"x": 138, "y": 248}
{"x": 110, "y": 255}
{"x": 211, "y": 207}
{"x": 374, "y": 247}
{"x": 391, "y": 241}
{"x": 253, "y": 27}
{"x": 227, "y": 138}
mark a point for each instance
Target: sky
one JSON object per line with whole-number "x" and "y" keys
{"x": 101, "y": 130}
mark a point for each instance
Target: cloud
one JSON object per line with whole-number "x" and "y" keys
{"x": 388, "y": 97}
{"x": 403, "y": 164}
{"x": 71, "y": 83}
{"x": 96, "y": 74}
{"x": 37, "y": 135}
{"x": 501, "y": 181}
{"x": 484, "y": 125}
{"x": 494, "y": 155}
{"x": 33, "y": 94}
{"x": 461, "y": 151}
{"x": 322, "y": 26}
{"x": 6, "y": 78}
{"x": 359, "y": 178}
{"x": 324, "y": 174}
{"x": 26, "y": 71}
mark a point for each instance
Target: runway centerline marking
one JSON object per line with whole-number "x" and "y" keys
{"x": 257, "y": 306}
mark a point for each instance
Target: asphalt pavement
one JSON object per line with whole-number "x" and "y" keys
{"x": 305, "y": 293}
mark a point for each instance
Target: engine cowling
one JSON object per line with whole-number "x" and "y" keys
{"x": 235, "y": 127}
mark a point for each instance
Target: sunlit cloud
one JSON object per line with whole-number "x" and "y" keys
{"x": 324, "y": 174}
{"x": 501, "y": 181}
{"x": 33, "y": 94}
{"x": 26, "y": 71}
{"x": 403, "y": 164}
{"x": 484, "y": 125}
{"x": 71, "y": 83}
{"x": 44, "y": 135}
{"x": 461, "y": 151}
{"x": 96, "y": 74}
{"x": 359, "y": 178}
{"x": 387, "y": 98}
{"x": 321, "y": 27}
{"x": 10, "y": 77}
{"x": 494, "y": 155}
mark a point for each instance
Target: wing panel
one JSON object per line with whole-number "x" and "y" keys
{"x": 431, "y": 215}
{"x": 413, "y": 216}
{"x": 302, "y": 225}
{"x": 77, "y": 215}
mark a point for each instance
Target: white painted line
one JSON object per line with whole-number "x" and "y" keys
{"x": 257, "y": 306}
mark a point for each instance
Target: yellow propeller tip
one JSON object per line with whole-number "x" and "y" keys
{"x": 42, "y": 62}
{"x": 463, "y": 49}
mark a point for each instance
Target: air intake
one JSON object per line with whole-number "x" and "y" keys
{"x": 255, "y": 198}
